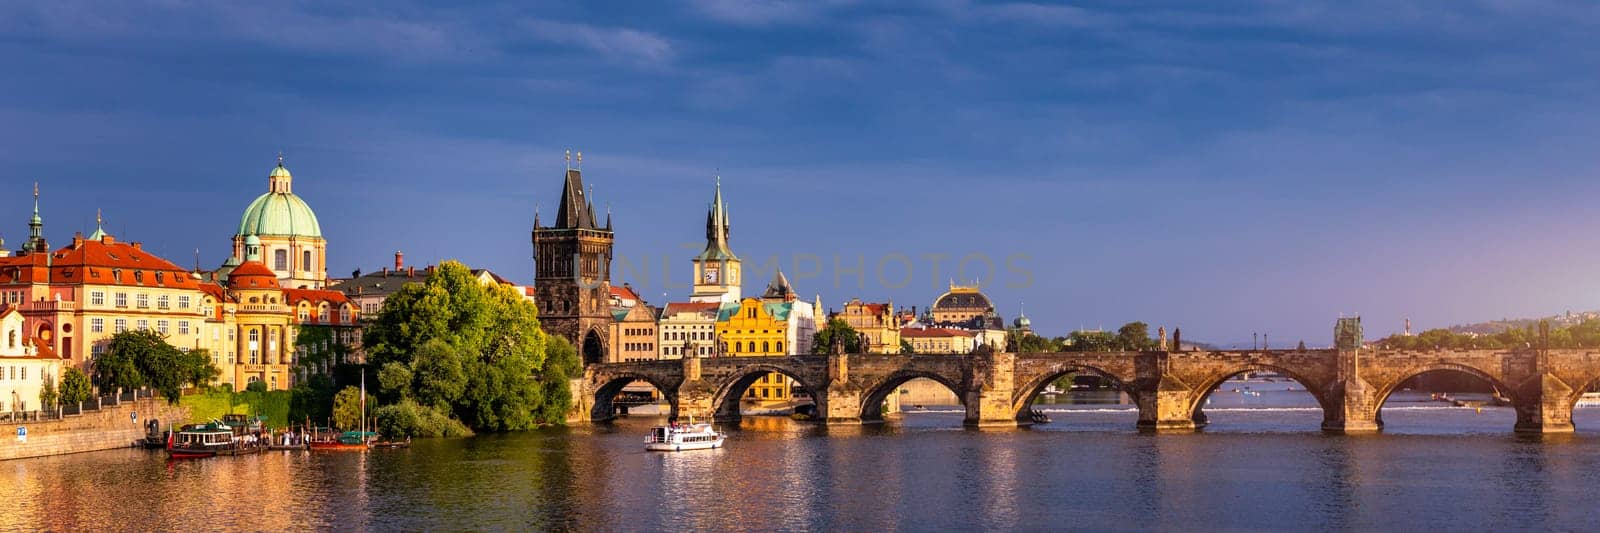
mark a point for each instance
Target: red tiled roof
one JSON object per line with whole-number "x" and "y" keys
{"x": 934, "y": 332}
{"x": 315, "y": 296}
{"x": 624, "y": 292}
{"x": 98, "y": 262}
{"x": 690, "y": 307}
{"x": 252, "y": 275}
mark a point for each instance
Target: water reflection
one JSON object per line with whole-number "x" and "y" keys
{"x": 918, "y": 472}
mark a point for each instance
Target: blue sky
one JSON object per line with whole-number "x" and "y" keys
{"x": 1224, "y": 167}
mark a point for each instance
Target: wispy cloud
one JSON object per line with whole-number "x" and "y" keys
{"x": 625, "y": 44}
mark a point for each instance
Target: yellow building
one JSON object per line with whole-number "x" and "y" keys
{"x": 877, "y": 321}
{"x": 633, "y": 330}
{"x": 74, "y": 299}
{"x": 757, "y": 329}
{"x": 940, "y": 341}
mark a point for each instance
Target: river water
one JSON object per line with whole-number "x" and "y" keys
{"x": 1262, "y": 464}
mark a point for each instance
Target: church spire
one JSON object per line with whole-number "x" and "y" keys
{"x": 99, "y": 227}
{"x": 573, "y": 211}
{"x": 36, "y": 242}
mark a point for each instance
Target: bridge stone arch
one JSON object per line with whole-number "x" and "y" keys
{"x": 602, "y": 383}
{"x": 1400, "y": 376}
{"x": 732, "y": 384}
{"x": 1318, "y": 386}
{"x": 1033, "y": 379}
{"x": 875, "y": 393}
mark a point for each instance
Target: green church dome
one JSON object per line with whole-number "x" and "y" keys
{"x": 279, "y": 212}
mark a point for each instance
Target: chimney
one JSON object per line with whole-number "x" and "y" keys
{"x": 385, "y": 272}
{"x": 77, "y": 240}
{"x": 411, "y": 272}
{"x": 399, "y": 260}
{"x": 138, "y": 245}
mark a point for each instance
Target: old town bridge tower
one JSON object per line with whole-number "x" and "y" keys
{"x": 572, "y": 271}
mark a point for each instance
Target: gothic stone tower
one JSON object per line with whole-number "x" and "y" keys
{"x": 572, "y": 272}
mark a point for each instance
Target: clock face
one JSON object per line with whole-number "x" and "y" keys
{"x": 711, "y": 275}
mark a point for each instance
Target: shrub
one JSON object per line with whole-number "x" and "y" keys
{"x": 409, "y": 419}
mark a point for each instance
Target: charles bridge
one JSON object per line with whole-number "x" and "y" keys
{"x": 1350, "y": 382}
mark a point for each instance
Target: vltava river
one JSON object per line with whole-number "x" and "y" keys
{"x": 1262, "y": 464}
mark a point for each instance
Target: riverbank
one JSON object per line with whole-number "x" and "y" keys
{"x": 109, "y": 427}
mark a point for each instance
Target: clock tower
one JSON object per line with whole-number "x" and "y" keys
{"x": 716, "y": 270}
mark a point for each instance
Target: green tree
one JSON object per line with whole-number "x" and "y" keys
{"x": 1134, "y": 336}
{"x": 1091, "y": 341}
{"x": 555, "y": 384}
{"x": 47, "y": 393}
{"x": 140, "y": 358}
{"x": 394, "y": 382}
{"x": 505, "y": 380}
{"x": 347, "y": 407}
{"x": 822, "y": 341}
{"x": 440, "y": 379}
{"x": 1019, "y": 341}
{"x": 906, "y": 348}
{"x": 75, "y": 387}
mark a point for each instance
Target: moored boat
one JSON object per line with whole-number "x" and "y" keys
{"x": 677, "y": 438}
{"x": 210, "y": 440}
{"x": 347, "y": 441}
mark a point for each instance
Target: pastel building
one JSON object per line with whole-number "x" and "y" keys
{"x": 26, "y": 364}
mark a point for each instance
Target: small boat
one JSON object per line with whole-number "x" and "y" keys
{"x": 1051, "y": 391}
{"x": 676, "y": 438}
{"x": 347, "y": 441}
{"x": 1589, "y": 399}
{"x": 210, "y": 440}
{"x": 391, "y": 444}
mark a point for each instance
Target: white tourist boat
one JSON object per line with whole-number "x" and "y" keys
{"x": 1589, "y": 399}
{"x": 677, "y": 438}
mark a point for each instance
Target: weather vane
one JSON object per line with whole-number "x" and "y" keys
{"x": 569, "y": 159}
{"x": 580, "y": 160}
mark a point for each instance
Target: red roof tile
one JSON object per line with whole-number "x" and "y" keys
{"x": 934, "y": 332}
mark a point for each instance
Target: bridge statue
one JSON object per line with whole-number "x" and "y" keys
{"x": 1169, "y": 386}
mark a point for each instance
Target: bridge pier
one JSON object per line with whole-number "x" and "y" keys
{"x": 993, "y": 385}
{"x": 1169, "y": 411}
{"x": 1544, "y": 406}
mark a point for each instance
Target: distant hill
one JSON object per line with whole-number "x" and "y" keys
{"x": 1496, "y": 326}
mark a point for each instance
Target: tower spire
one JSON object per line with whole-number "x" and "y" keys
{"x": 36, "y": 242}
{"x": 99, "y": 226}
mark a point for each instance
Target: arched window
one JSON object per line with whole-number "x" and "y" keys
{"x": 280, "y": 260}
{"x": 766, "y": 346}
{"x": 305, "y": 260}
{"x": 13, "y": 341}
{"x": 752, "y": 313}
{"x": 780, "y": 346}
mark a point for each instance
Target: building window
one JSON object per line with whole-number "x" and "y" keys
{"x": 183, "y": 327}
{"x": 97, "y": 349}
{"x": 766, "y": 347}
{"x": 122, "y": 299}
{"x": 163, "y": 302}
{"x": 322, "y": 314}
{"x": 305, "y": 260}
{"x": 162, "y": 325}
{"x": 119, "y": 325}
{"x": 97, "y": 325}
{"x": 280, "y": 260}
{"x": 97, "y": 298}
{"x": 141, "y": 300}
{"x": 255, "y": 343}
{"x": 304, "y": 314}
{"x": 183, "y": 302}
{"x": 344, "y": 314}
{"x": 141, "y": 324}
{"x": 780, "y": 346}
